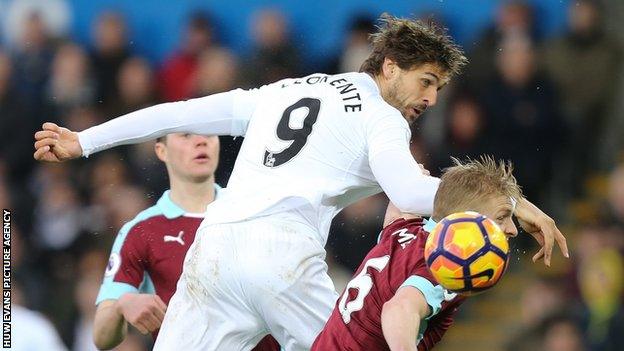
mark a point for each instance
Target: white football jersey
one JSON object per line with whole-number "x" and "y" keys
{"x": 313, "y": 145}
{"x": 306, "y": 149}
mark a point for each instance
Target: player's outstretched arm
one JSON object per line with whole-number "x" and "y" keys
{"x": 145, "y": 312}
{"x": 543, "y": 228}
{"x": 408, "y": 186}
{"x": 401, "y": 316}
{"x": 219, "y": 114}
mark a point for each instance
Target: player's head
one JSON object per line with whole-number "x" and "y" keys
{"x": 189, "y": 157}
{"x": 484, "y": 185}
{"x": 411, "y": 61}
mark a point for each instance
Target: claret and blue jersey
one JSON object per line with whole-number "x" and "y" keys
{"x": 396, "y": 261}
{"x": 149, "y": 250}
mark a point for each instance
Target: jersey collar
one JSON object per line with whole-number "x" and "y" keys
{"x": 429, "y": 225}
{"x": 370, "y": 82}
{"x": 170, "y": 210}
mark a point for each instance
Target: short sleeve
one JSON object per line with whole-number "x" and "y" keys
{"x": 125, "y": 272}
{"x": 434, "y": 294}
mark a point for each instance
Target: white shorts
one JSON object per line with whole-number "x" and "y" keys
{"x": 247, "y": 279}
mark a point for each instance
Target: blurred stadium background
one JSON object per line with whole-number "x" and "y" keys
{"x": 544, "y": 88}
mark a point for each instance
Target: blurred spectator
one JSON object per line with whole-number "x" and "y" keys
{"x": 556, "y": 331}
{"x": 90, "y": 266}
{"x": 611, "y": 143}
{"x": 8, "y": 101}
{"x": 601, "y": 281}
{"x": 32, "y": 59}
{"x": 106, "y": 173}
{"x": 465, "y": 125}
{"x": 521, "y": 108}
{"x": 109, "y": 53}
{"x": 82, "y": 117}
{"x": 418, "y": 149}
{"x": 432, "y": 126}
{"x": 43, "y": 178}
{"x": 586, "y": 51}
{"x": 147, "y": 169}
{"x": 616, "y": 196}
{"x": 527, "y": 340}
{"x": 70, "y": 82}
{"x": 356, "y": 47}
{"x": 350, "y": 233}
{"x": 5, "y": 201}
{"x": 55, "y": 15}
{"x": 125, "y": 203}
{"x": 15, "y": 128}
{"x": 134, "y": 85}
{"x": 102, "y": 182}
{"x": 176, "y": 76}
{"x": 134, "y": 91}
{"x": 274, "y": 56}
{"x": 513, "y": 18}
{"x": 614, "y": 339}
{"x": 561, "y": 333}
{"x": 30, "y": 329}
{"x": 28, "y": 277}
{"x": 57, "y": 216}
{"x": 544, "y": 296}
{"x": 115, "y": 186}
{"x": 217, "y": 72}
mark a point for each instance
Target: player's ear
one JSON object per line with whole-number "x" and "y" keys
{"x": 389, "y": 68}
{"x": 161, "y": 151}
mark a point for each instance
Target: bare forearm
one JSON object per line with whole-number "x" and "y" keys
{"x": 400, "y": 328}
{"x": 109, "y": 327}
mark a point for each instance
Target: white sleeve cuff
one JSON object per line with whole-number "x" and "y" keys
{"x": 85, "y": 144}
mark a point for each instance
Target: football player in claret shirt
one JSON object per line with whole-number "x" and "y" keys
{"x": 393, "y": 302}
{"x": 146, "y": 259}
{"x": 312, "y": 146}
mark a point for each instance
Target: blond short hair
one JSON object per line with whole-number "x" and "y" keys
{"x": 466, "y": 185}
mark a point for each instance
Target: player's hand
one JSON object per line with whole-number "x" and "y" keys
{"x": 542, "y": 228}
{"x": 145, "y": 312}
{"x": 56, "y": 144}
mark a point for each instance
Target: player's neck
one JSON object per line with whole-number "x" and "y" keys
{"x": 190, "y": 196}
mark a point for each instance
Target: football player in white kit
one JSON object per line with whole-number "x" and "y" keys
{"x": 312, "y": 146}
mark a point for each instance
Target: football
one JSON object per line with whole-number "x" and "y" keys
{"x": 467, "y": 253}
